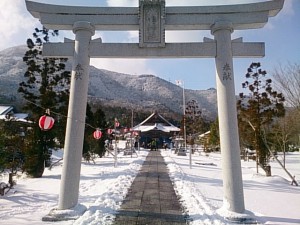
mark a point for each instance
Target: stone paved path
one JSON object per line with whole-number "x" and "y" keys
{"x": 151, "y": 199}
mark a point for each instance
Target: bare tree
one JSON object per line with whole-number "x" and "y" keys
{"x": 284, "y": 132}
{"x": 287, "y": 80}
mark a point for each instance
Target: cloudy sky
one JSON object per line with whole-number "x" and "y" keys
{"x": 281, "y": 36}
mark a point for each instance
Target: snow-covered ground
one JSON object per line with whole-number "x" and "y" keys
{"x": 271, "y": 200}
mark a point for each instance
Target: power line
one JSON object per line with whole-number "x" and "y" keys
{"x": 47, "y": 111}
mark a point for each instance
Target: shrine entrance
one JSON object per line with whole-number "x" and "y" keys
{"x": 152, "y": 18}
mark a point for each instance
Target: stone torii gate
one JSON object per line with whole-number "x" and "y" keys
{"x": 152, "y": 18}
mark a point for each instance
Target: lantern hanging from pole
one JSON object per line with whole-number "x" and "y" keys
{"x": 109, "y": 131}
{"x": 46, "y": 122}
{"x": 117, "y": 123}
{"x": 97, "y": 134}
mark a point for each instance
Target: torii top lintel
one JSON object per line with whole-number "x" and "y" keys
{"x": 242, "y": 16}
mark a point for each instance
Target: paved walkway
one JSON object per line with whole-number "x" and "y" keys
{"x": 151, "y": 199}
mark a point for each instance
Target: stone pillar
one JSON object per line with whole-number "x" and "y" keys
{"x": 69, "y": 188}
{"x": 229, "y": 138}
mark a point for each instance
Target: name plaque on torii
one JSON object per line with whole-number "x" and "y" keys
{"x": 152, "y": 23}
{"x": 152, "y": 19}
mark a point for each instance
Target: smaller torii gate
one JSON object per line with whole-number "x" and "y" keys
{"x": 152, "y": 18}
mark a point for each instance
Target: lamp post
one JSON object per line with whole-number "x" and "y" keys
{"x": 192, "y": 112}
{"x": 181, "y": 84}
{"x": 116, "y": 124}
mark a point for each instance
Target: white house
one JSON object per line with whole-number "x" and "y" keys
{"x": 7, "y": 112}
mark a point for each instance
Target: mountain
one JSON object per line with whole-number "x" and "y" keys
{"x": 145, "y": 91}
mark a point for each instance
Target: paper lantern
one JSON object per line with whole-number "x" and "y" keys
{"x": 109, "y": 131}
{"x": 97, "y": 134}
{"x": 46, "y": 122}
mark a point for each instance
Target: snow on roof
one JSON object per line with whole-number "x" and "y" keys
{"x": 8, "y": 110}
{"x": 157, "y": 126}
{"x": 5, "y": 109}
{"x": 14, "y": 118}
{"x": 160, "y": 124}
{"x": 204, "y": 134}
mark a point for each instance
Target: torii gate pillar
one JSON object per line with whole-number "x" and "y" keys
{"x": 69, "y": 188}
{"x": 233, "y": 199}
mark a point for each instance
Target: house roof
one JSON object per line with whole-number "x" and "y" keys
{"x": 4, "y": 110}
{"x": 156, "y": 122}
{"x": 9, "y": 110}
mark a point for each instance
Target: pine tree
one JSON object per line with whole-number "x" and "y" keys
{"x": 46, "y": 87}
{"x": 91, "y": 146}
{"x": 214, "y": 136}
{"x": 11, "y": 147}
{"x": 88, "y": 132}
{"x": 100, "y": 122}
{"x": 257, "y": 110}
{"x": 195, "y": 122}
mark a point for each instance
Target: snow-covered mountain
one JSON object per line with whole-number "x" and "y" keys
{"x": 111, "y": 88}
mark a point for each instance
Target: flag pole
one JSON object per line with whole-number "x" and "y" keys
{"x": 181, "y": 83}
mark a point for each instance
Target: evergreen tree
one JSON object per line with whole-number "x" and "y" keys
{"x": 100, "y": 122}
{"x": 214, "y": 136}
{"x": 195, "y": 123}
{"x": 11, "y": 147}
{"x": 257, "y": 110}
{"x": 46, "y": 87}
{"x": 92, "y": 146}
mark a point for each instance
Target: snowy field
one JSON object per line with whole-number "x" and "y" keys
{"x": 271, "y": 200}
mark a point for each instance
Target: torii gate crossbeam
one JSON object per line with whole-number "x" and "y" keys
{"x": 243, "y": 16}
{"x": 171, "y": 50}
{"x": 152, "y": 19}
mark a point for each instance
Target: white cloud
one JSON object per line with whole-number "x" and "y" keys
{"x": 127, "y": 3}
{"x": 203, "y": 2}
{"x": 133, "y": 36}
{"x": 186, "y": 36}
{"x": 16, "y": 23}
{"x": 288, "y": 8}
{"x": 286, "y": 11}
{"x": 134, "y": 3}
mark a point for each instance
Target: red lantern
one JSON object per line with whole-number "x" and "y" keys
{"x": 125, "y": 130}
{"x": 109, "y": 131}
{"x": 97, "y": 134}
{"x": 46, "y": 122}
